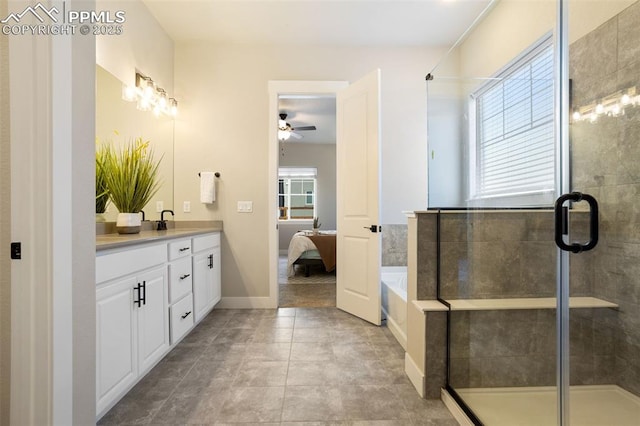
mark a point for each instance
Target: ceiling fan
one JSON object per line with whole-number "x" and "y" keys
{"x": 285, "y": 131}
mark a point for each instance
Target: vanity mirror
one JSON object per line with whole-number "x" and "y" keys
{"x": 119, "y": 121}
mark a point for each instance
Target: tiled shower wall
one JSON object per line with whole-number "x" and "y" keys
{"x": 394, "y": 245}
{"x": 606, "y": 164}
{"x": 507, "y": 255}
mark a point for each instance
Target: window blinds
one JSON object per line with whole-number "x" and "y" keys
{"x": 515, "y": 137}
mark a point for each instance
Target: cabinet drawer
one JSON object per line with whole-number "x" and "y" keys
{"x": 178, "y": 249}
{"x": 110, "y": 265}
{"x": 206, "y": 242}
{"x": 180, "y": 279}
{"x": 181, "y": 318}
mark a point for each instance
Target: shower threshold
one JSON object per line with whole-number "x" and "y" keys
{"x": 593, "y": 405}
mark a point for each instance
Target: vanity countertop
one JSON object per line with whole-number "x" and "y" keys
{"x": 111, "y": 241}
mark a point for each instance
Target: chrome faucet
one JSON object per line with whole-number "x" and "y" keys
{"x": 162, "y": 223}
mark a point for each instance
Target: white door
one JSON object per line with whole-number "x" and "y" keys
{"x": 358, "y": 186}
{"x": 153, "y": 318}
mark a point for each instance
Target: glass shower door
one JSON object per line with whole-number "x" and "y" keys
{"x": 604, "y": 134}
{"x": 493, "y": 179}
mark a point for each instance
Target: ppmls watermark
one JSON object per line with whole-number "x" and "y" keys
{"x": 40, "y": 20}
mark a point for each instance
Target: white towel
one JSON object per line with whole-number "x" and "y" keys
{"x": 207, "y": 187}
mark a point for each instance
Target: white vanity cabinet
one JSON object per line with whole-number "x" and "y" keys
{"x": 180, "y": 289}
{"x": 132, "y": 323}
{"x": 206, "y": 274}
{"x": 149, "y": 295}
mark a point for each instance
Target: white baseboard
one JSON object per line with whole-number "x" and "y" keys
{"x": 455, "y": 409}
{"x": 395, "y": 329}
{"x": 246, "y": 303}
{"x": 416, "y": 376}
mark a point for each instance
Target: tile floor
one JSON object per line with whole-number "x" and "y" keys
{"x": 315, "y": 366}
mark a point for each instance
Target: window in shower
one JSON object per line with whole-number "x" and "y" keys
{"x": 512, "y": 134}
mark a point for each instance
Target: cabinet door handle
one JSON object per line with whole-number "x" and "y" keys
{"x": 137, "y": 302}
{"x": 210, "y": 261}
{"x": 185, "y": 276}
{"x": 184, "y": 248}
{"x": 144, "y": 293}
{"x": 186, "y": 315}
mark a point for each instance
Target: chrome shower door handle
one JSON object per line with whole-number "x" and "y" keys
{"x": 561, "y": 221}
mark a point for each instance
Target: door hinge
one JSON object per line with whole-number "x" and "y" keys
{"x": 16, "y": 250}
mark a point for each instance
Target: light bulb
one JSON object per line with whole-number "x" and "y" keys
{"x": 625, "y": 100}
{"x": 283, "y": 135}
{"x": 144, "y": 104}
{"x": 128, "y": 93}
{"x": 162, "y": 101}
{"x": 282, "y": 124}
{"x": 615, "y": 109}
{"x": 599, "y": 109}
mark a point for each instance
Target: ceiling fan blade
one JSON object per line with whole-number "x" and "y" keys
{"x": 305, "y": 128}
{"x": 296, "y": 136}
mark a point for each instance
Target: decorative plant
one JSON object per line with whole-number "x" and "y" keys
{"x": 316, "y": 223}
{"x": 102, "y": 195}
{"x": 131, "y": 175}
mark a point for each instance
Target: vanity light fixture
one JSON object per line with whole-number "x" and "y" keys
{"x": 611, "y": 106}
{"x": 149, "y": 97}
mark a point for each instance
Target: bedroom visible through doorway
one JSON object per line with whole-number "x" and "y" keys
{"x": 306, "y": 191}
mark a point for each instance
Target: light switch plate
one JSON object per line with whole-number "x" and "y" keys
{"x": 159, "y": 206}
{"x": 186, "y": 207}
{"x": 245, "y": 206}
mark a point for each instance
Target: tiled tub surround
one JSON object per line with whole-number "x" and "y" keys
{"x": 394, "y": 245}
{"x": 280, "y": 366}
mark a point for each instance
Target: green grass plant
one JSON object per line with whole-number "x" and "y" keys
{"x": 102, "y": 194}
{"x": 131, "y": 175}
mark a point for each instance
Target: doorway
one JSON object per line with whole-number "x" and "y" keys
{"x": 307, "y": 200}
{"x": 298, "y": 99}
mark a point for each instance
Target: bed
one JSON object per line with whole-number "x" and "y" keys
{"x": 303, "y": 251}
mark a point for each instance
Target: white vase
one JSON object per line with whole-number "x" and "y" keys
{"x": 316, "y": 231}
{"x": 128, "y": 223}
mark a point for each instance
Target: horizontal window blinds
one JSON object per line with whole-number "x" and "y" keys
{"x": 515, "y": 137}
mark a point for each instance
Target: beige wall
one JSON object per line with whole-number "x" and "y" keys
{"x": 5, "y": 230}
{"x": 143, "y": 46}
{"x": 513, "y": 25}
{"x": 223, "y": 126}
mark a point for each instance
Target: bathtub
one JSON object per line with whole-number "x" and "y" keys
{"x": 394, "y": 301}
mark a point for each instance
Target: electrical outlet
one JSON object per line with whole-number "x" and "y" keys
{"x": 159, "y": 206}
{"x": 186, "y": 207}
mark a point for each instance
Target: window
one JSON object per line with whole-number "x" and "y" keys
{"x": 297, "y": 193}
{"x": 513, "y": 154}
